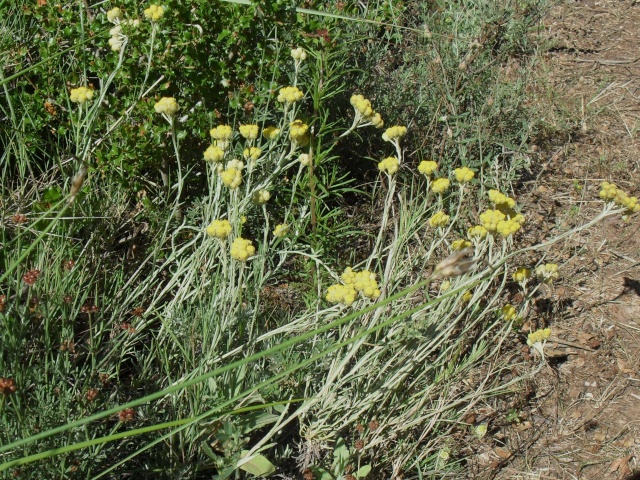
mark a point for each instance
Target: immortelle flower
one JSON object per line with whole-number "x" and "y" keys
{"x": 507, "y": 227}
{"x": 509, "y": 312}
{"x": 221, "y": 132}
{"x": 364, "y": 112}
{"x": 117, "y": 38}
{"x": 154, "y": 12}
{"x": 440, "y": 185}
{"x": 365, "y": 281}
{"x": 80, "y": 95}
{"x": 290, "y": 95}
{"x": 344, "y": 294}
{"x": 252, "y": 153}
{"x": 250, "y": 132}
{"x": 305, "y": 159}
{"x": 439, "y": 219}
{"x": 538, "y": 339}
{"x": 213, "y": 154}
{"x": 167, "y": 106}
{"x": 463, "y": 174}
{"x": 260, "y": 197}
{"x": 242, "y": 249}
{"x": 299, "y": 132}
{"x": 501, "y": 200}
{"x": 547, "y": 273}
{"x": 298, "y": 54}
{"x": 477, "y": 232}
{"x": 394, "y": 133}
{"x": 389, "y": 165}
{"x": 271, "y": 133}
{"x": 114, "y": 15}
{"x": 219, "y": 229}
{"x": 521, "y": 275}
{"x": 427, "y": 167}
{"x": 460, "y": 244}
{"x": 466, "y": 298}
{"x": 608, "y": 191}
{"x": 231, "y": 177}
{"x": 490, "y": 218}
{"x": 281, "y": 230}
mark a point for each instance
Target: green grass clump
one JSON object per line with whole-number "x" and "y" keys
{"x": 193, "y": 282}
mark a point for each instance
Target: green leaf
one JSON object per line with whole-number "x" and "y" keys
{"x": 363, "y": 471}
{"x": 52, "y": 194}
{"x": 258, "y": 465}
{"x": 340, "y": 457}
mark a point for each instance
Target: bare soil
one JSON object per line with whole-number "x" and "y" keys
{"x": 579, "y": 418}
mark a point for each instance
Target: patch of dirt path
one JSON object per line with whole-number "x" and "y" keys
{"x": 583, "y": 420}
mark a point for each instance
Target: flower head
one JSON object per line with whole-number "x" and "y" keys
{"x": 114, "y": 15}
{"x": 439, "y": 219}
{"x": 507, "y": 227}
{"x": 290, "y": 95}
{"x": 252, "y": 153}
{"x": 501, "y": 200}
{"x": 7, "y": 386}
{"x": 167, "y": 106}
{"x": 427, "y": 167}
{"x": 362, "y": 105}
{"x": 460, "y": 244}
{"x": 299, "y": 132}
{"x": 608, "y": 191}
{"x": 463, "y": 174}
{"x": 117, "y": 38}
{"x": 271, "y": 133}
{"x": 250, "y": 132}
{"x": 221, "y": 132}
{"x": 80, "y": 95}
{"x": 440, "y": 185}
{"x": 242, "y": 249}
{"x": 219, "y": 229}
{"x": 281, "y": 230}
{"x": 261, "y": 197}
{"x": 389, "y": 165}
{"x": 477, "y": 232}
{"x": 538, "y": 336}
{"x": 213, "y": 154}
{"x": 509, "y": 312}
{"x": 394, "y": 133}
{"x": 344, "y": 294}
{"x": 298, "y": 54}
{"x": 521, "y": 275}
{"x": 547, "y": 273}
{"x": 154, "y": 12}
{"x": 490, "y": 219}
{"x": 231, "y": 177}
{"x": 305, "y": 159}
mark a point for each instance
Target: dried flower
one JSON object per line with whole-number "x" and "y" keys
{"x": 305, "y": 159}
{"x": 91, "y": 394}
{"x": 3, "y": 302}
{"x": 373, "y": 425}
{"x": 298, "y": 54}
{"x": 7, "y": 386}
{"x": 547, "y": 273}
{"x": 126, "y": 415}
{"x": 31, "y": 277}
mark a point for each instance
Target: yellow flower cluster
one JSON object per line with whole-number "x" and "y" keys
{"x": 538, "y": 336}
{"x": 490, "y": 219}
{"x": 521, "y": 275}
{"x": 298, "y": 54}
{"x": 344, "y": 294}
{"x": 154, "y": 13}
{"x": 80, "y": 95}
{"x": 363, "y": 281}
{"x": 509, "y": 312}
{"x": 507, "y": 227}
{"x": 466, "y": 298}
{"x": 548, "y": 272}
{"x": 114, "y": 15}
{"x": 463, "y": 174}
{"x": 271, "y": 133}
{"x": 219, "y": 229}
{"x": 261, "y": 197}
{"x": 221, "y": 132}
{"x": 439, "y": 219}
{"x": 213, "y": 154}
{"x": 440, "y": 185}
{"x": 281, "y": 230}
{"x": 500, "y": 200}
{"x": 242, "y": 249}
{"x": 609, "y": 191}
{"x": 394, "y": 133}
{"x": 304, "y": 159}
{"x": 250, "y": 132}
{"x": 365, "y": 111}
{"x": 167, "y": 106}
{"x": 460, "y": 244}
{"x": 290, "y": 95}
{"x": 477, "y": 232}
{"x": 232, "y": 176}
{"x": 252, "y": 153}
{"x": 389, "y": 165}
{"x": 299, "y": 132}
{"x": 427, "y": 167}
